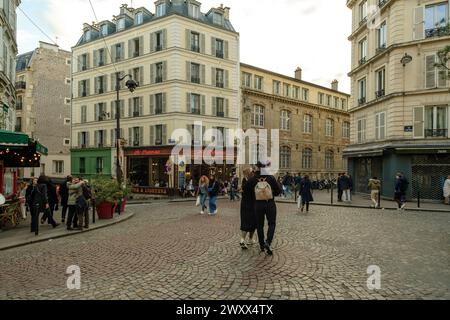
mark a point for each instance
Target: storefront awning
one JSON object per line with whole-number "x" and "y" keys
{"x": 13, "y": 139}
{"x": 41, "y": 149}
{"x": 363, "y": 153}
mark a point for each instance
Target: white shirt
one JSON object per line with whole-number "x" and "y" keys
{"x": 447, "y": 188}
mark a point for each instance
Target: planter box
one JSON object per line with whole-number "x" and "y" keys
{"x": 106, "y": 210}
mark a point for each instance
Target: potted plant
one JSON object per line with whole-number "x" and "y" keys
{"x": 106, "y": 193}
{"x": 124, "y": 193}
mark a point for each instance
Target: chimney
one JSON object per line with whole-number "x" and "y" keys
{"x": 298, "y": 73}
{"x": 335, "y": 85}
{"x": 226, "y": 14}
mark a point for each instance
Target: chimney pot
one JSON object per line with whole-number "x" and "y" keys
{"x": 335, "y": 85}
{"x": 298, "y": 73}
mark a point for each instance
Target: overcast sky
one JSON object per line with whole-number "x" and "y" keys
{"x": 277, "y": 35}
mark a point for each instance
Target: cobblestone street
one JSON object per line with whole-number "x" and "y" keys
{"x": 169, "y": 251}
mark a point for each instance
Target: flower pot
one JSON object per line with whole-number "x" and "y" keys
{"x": 106, "y": 210}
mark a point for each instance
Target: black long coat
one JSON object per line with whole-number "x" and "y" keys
{"x": 248, "y": 217}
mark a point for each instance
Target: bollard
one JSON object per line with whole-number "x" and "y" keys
{"x": 93, "y": 211}
{"x": 332, "y": 194}
{"x": 418, "y": 199}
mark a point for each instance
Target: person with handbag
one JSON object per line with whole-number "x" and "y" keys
{"x": 75, "y": 203}
{"x": 213, "y": 192}
{"x": 248, "y": 218}
{"x": 202, "y": 193}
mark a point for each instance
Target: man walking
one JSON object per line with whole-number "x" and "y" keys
{"x": 401, "y": 187}
{"x": 37, "y": 202}
{"x": 288, "y": 182}
{"x": 64, "y": 195}
{"x": 340, "y": 185}
{"x": 375, "y": 188}
{"x": 446, "y": 190}
{"x": 346, "y": 187}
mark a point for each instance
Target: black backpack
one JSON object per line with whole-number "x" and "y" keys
{"x": 87, "y": 194}
{"x": 404, "y": 185}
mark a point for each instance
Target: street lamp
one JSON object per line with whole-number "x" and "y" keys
{"x": 131, "y": 85}
{"x": 406, "y": 59}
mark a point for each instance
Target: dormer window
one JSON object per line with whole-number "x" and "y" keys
{"x": 217, "y": 18}
{"x": 87, "y": 35}
{"x": 104, "y": 30}
{"x": 160, "y": 10}
{"x": 121, "y": 24}
{"x": 139, "y": 18}
{"x": 194, "y": 11}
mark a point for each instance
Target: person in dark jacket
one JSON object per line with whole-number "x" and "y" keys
{"x": 64, "y": 194}
{"x": 37, "y": 201}
{"x": 340, "y": 185}
{"x": 52, "y": 197}
{"x": 265, "y": 209}
{"x": 213, "y": 192}
{"x": 346, "y": 187}
{"x": 305, "y": 192}
{"x": 401, "y": 187}
{"x": 248, "y": 217}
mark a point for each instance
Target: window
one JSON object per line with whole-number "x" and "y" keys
{"x": 220, "y": 107}
{"x": 100, "y": 85}
{"x": 361, "y": 130}
{"x": 363, "y": 11}
{"x": 84, "y": 62}
{"x": 68, "y": 62}
{"x": 362, "y": 91}
{"x": 195, "y": 73}
{"x": 344, "y": 104}
{"x": 137, "y": 107}
{"x": 307, "y": 123}
{"x": 328, "y": 100}
{"x": 382, "y": 36}
{"x": 285, "y": 120}
{"x": 118, "y": 52}
{"x": 276, "y": 87}
{"x": 19, "y": 103}
{"x": 159, "y": 40}
{"x": 136, "y": 47}
{"x": 139, "y": 19}
{"x": 346, "y": 130}
{"x": 58, "y": 167}
{"x": 363, "y": 51}
{"x": 67, "y": 121}
{"x": 296, "y": 93}
{"x": 286, "y": 90}
{"x": 100, "y": 111}
{"x": 82, "y": 165}
{"x": 254, "y": 153}
{"x": 380, "y": 82}
{"x": 436, "y": 123}
{"x": 83, "y": 114}
{"x": 136, "y": 136}
{"x": 101, "y": 57}
{"x": 220, "y": 81}
{"x": 100, "y": 163}
{"x": 285, "y": 158}
{"x": 88, "y": 35}
{"x": 83, "y": 139}
{"x": 100, "y": 138}
{"x": 67, "y": 100}
{"x": 258, "y": 116}
{"x": 321, "y": 99}
{"x": 434, "y": 78}
{"x": 159, "y": 135}
{"x": 160, "y": 10}
{"x": 219, "y": 49}
{"x": 159, "y": 72}
{"x": 66, "y": 142}
{"x": 18, "y": 127}
{"x": 195, "y": 104}
{"x": 436, "y": 19}
{"x": 121, "y": 24}
{"x": 104, "y": 30}
{"x": 307, "y": 158}
{"x": 329, "y": 128}
{"x": 247, "y": 80}
{"x": 337, "y": 102}
{"x": 380, "y": 126}
{"x": 329, "y": 160}
{"x": 305, "y": 94}
{"x": 195, "y": 42}
{"x": 194, "y": 11}
{"x": 83, "y": 88}
{"x": 217, "y": 18}
{"x": 68, "y": 81}
{"x": 137, "y": 76}
{"x": 259, "y": 83}
{"x": 159, "y": 103}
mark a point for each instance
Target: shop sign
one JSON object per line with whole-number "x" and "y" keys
{"x": 152, "y": 191}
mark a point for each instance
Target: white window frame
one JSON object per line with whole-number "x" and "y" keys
{"x": 286, "y": 120}
{"x": 121, "y": 24}
{"x": 329, "y": 127}
{"x": 363, "y": 48}
{"x": 363, "y": 10}
{"x": 58, "y": 164}
{"x": 160, "y": 9}
{"x": 139, "y": 18}
{"x": 307, "y": 123}
{"x": 259, "y": 83}
{"x": 258, "y": 116}
{"x": 361, "y": 130}
{"x": 66, "y": 142}
{"x": 382, "y": 36}
{"x": 346, "y": 130}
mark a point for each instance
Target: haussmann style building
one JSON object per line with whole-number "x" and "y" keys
{"x": 400, "y": 111}
{"x": 187, "y": 65}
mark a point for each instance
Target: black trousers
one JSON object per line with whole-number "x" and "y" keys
{"x": 265, "y": 210}
{"x": 73, "y": 214}
{"x": 64, "y": 211}
{"x": 340, "y": 194}
{"x": 34, "y": 211}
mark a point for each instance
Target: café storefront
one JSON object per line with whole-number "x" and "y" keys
{"x": 151, "y": 170}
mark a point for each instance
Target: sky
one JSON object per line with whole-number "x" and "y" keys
{"x": 277, "y": 35}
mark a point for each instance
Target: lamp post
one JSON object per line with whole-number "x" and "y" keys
{"x": 132, "y": 85}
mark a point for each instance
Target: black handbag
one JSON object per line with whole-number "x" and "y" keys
{"x": 81, "y": 203}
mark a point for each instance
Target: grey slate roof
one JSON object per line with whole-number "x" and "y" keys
{"x": 23, "y": 61}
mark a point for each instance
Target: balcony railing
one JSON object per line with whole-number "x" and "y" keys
{"x": 381, "y": 3}
{"x": 437, "y": 32}
{"x": 381, "y": 48}
{"x": 21, "y": 85}
{"x": 101, "y": 63}
{"x": 136, "y": 143}
{"x": 19, "y": 106}
{"x": 136, "y": 54}
{"x": 363, "y": 21}
{"x": 221, "y": 114}
{"x": 84, "y": 94}
{"x": 195, "y": 48}
{"x": 361, "y": 101}
{"x": 436, "y": 133}
{"x": 101, "y": 91}
{"x": 362, "y": 61}
{"x": 380, "y": 93}
{"x": 220, "y": 85}
{"x": 159, "y": 48}
{"x": 195, "y": 111}
{"x": 195, "y": 79}
{"x": 158, "y": 79}
{"x": 158, "y": 142}
{"x": 136, "y": 114}
{"x": 219, "y": 54}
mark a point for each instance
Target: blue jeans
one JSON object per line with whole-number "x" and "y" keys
{"x": 203, "y": 201}
{"x": 212, "y": 204}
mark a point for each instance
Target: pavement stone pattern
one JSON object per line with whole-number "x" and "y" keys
{"x": 170, "y": 251}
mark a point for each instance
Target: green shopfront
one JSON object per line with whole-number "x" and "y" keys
{"x": 426, "y": 168}
{"x": 91, "y": 162}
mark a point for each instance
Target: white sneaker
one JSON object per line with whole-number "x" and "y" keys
{"x": 403, "y": 206}
{"x": 215, "y": 212}
{"x": 203, "y": 212}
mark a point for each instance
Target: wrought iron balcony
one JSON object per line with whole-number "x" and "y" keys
{"x": 195, "y": 79}
{"x": 195, "y": 48}
{"x": 158, "y": 142}
{"x": 380, "y": 93}
{"x": 159, "y": 48}
{"x": 381, "y": 48}
{"x": 382, "y": 3}
{"x": 437, "y": 32}
{"x": 363, "y": 21}
{"x": 136, "y": 143}
{"x": 219, "y": 54}
{"x": 136, "y": 54}
{"x": 220, "y": 85}
{"x": 362, "y": 61}
{"x": 101, "y": 63}
{"x": 159, "y": 79}
{"x": 136, "y": 114}
{"x": 21, "y": 85}
{"x": 361, "y": 101}
{"x": 436, "y": 133}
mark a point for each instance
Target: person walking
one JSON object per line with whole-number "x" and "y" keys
{"x": 248, "y": 217}
{"x": 64, "y": 195}
{"x": 288, "y": 182}
{"x": 23, "y": 199}
{"x": 213, "y": 192}
{"x": 84, "y": 211}
{"x": 306, "y": 193}
{"x": 203, "y": 192}
{"x": 234, "y": 186}
{"x": 446, "y": 190}
{"x": 346, "y": 188}
{"x": 52, "y": 200}
{"x": 75, "y": 191}
{"x": 401, "y": 187}
{"x": 37, "y": 201}
{"x": 375, "y": 188}
{"x": 298, "y": 181}
{"x": 340, "y": 186}
{"x": 265, "y": 189}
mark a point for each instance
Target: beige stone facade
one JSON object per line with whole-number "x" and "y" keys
{"x": 313, "y": 121}
{"x": 400, "y": 103}
{"x": 43, "y": 92}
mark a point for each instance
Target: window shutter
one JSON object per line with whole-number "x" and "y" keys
{"x": 214, "y": 106}
{"x": 79, "y": 139}
{"x": 141, "y": 106}
{"x": 152, "y": 42}
{"x": 430, "y": 71}
{"x": 203, "y": 105}
{"x": 113, "y": 82}
{"x": 152, "y": 135}
{"x": 188, "y": 39}
{"x": 113, "y": 110}
{"x": 130, "y": 137}
{"x": 419, "y": 23}
{"x": 88, "y": 60}
{"x": 122, "y": 51}
{"x": 188, "y": 102}
{"x": 141, "y": 136}
{"x": 122, "y": 108}
{"x": 225, "y": 46}
{"x": 164, "y": 39}
{"x": 419, "y": 122}
{"x": 152, "y": 104}
{"x": 203, "y": 74}
{"x": 442, "y": 77}
{"x": 96, "y": 106}
{"x": 188, "y": 71}
{"x": 130, "y": 49}
{"x": 226, "y": 80}
{"x": 96, "y": 138}
{"x": 164, "y": 102}
{"x": 113, "y": 54}
{"x": 152, "y": 73}
{"x": 88, "y": 139}
{"x": 80, "y": 88}
{"x": 227, "y": 108}
{"x": 79, "y": 64}
{"x": 95, "y": 58}
{"x": 202, "y": 43}
{"x": 377, "y": 126}
{"x": 130, "y": 107}
{"x": 88, "y": 87}
{"x": 165, "y": 71}
{"x": 113, "y": 138}
{"x": 213, "y": 46}
{"x": 164, "y": 134}
{"x": 141, "y": 76}
{"x": 96, "y": 85}
{"x": 213, "y": 77}
{"x": 141, "y": 45}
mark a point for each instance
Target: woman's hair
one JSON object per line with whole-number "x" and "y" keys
{"x": 306, "y": 177}
{"x": 247, "y": 172}
{"x": 42, "y": 180}
{"x": 204, "y": 180}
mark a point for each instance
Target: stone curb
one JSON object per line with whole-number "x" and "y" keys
{"x": 68, "y": 234}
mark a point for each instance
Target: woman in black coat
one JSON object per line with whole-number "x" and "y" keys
{"x": 305, "y": 193}
{"x": 248, "y": 217}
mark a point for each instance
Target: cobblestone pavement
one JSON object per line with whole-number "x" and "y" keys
{"x": 169, "y": 251}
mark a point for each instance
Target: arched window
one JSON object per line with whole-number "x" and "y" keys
{"x": 307, "y": 123}
{"x": 258, "y": 116}
{"x": 307, "y": 158}
{"x": 285, "y": 158}
{"x": 329, "y": 160}
{"x": 285, "y": 120}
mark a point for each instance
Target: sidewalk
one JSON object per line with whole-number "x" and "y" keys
{"x": 363, "y": 201}
{"x": 21, "y": 235}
